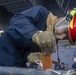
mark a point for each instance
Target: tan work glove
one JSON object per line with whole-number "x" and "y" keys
{"x": 46, "y": 41}
{"x": 34, "y": 57}
{"x": 50, "y": 22}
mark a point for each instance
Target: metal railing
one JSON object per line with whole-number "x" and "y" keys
{"x": 61, "y": 4}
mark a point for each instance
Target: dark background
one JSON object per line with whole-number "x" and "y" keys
{"x": 10, "y": 7}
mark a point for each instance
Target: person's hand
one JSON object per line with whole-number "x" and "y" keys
{"x": 35, "y": 58}
{"x": 46, "y": 41}
{"x": 32, "y": 57}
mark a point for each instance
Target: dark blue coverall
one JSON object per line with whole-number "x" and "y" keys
{"x": 19, "y": 34}
{"x": 74, "y": 65}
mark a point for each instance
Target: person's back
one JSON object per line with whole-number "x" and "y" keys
{"x": 25, "y": 24}
{"x": 19, "y": 34}
{"x": 28, "y": 30}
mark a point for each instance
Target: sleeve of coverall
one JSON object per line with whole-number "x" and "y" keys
{"x": 22, "y": 31}
{"x": 23, "y": 25}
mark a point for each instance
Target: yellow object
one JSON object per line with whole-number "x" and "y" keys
{"x": 71, "y": 23}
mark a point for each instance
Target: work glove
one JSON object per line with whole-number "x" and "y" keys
{"x": 50, "y": 22}
{"x": 33, "y": 57}
{"x": 46, "y": 41}
{"x": 36, "y": 59}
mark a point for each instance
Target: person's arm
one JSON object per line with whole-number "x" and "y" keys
{"x": 23, "y": 25}
{"x": 23, "y": 29}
